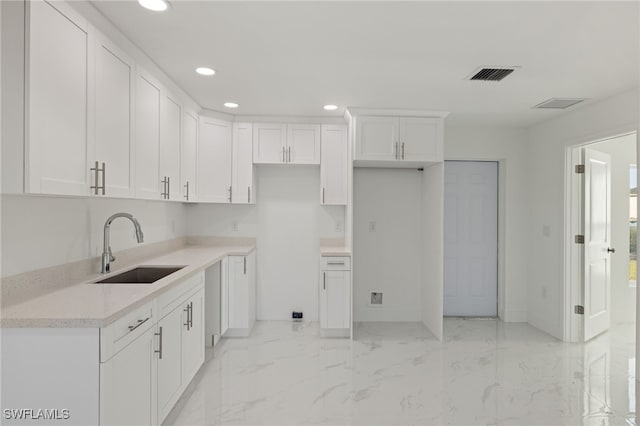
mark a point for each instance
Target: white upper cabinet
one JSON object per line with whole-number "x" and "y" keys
{"x": 243, "y": 176}
{"x": 420, "y": 139}
{"x": 275, "y": 143}
{"x": 389, "y": 140}
{"x": 334, "y": 165}
{"x": 111, "y": 143}
{"x": 376, "y": 138}
{"x": 56, "y": 100}
{"x": 170, "y": 136}
{"x": 214, "y": 161}
{"x": 303, "y": 144}
{"x": 269, "y": 143}
{"x": 148, "y": 100}
{"x": 189, "y": 156}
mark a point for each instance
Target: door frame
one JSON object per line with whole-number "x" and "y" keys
{"x": 502, "y": 191}
{"x": 573, "y": 286}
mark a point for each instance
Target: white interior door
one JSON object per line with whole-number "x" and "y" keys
{"x": 597, "y": 240}
{"x": 471, "y": 238}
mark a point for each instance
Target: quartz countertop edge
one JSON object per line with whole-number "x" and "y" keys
{"x": 326, "y": 251}
{"x": 88, "y": 305}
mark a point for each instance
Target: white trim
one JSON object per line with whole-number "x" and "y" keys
{"x": 379, "y": 112}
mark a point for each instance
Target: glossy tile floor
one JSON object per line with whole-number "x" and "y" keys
{"x": 486, "y": 372}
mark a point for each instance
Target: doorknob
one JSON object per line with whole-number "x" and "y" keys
{"x": 611, "y": 250}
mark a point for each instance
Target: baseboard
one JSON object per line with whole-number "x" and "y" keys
{"x": 515, "y": 315}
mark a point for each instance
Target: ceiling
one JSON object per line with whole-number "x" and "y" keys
{"x": 291, "y": 58}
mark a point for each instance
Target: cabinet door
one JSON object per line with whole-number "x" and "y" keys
{"x": 421, "y": 139}
{"x": 303, "y": 144}
{"x": 214, "y": 161}
{"x": 377, "y": 138}
{"x": 238, "y": 293}
{"x": 224, "y": 296}
{"x": 170, "y": 135}
{"x": 242, "y": 182}
{"x": 193, "y": 337}
{"x": 169, "y": 361}
{"x": 269, "y": 143}
{"x": 112, "y": 120}
{"x": 128, "y": 385}
{"x": 334, "y": 165}
{"x": 189, "y": 157}
{"x": 56, "y": 101}
{"x": 335, "y": 300}
{"x": 148, "y": 97}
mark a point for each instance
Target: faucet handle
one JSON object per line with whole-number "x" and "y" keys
{"x": 111, "y": 257}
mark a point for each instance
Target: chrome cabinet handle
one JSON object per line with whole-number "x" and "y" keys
{"x": 396, "y": 150}
{"x": 283, "y": 159}
{"x": 104, "y": 179}
{"x": 168, "y": 187}
{"x": 191, "y": 314}
{"x": 248, "y": 194}
{"x": 96, "y": 185}
{"x": 245, "y": 265}
{"x": 611, "y": 250}
{"x": 163, "y": 194}
{"x": 403, "y": 150}
{"x": 324, "y": 280}
{"x": 323, "y": 195}
{"x": 335, "y": 263}
{"x": 140, "y": 322}
{"x": 187, "y": 191}
{"x": 159, "y": 350}
{"x": 230, "y": 193}
{"x": 187, "y": 323}
{"x": 289, "y": 155}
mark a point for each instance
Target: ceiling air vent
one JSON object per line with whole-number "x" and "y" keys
{"x": 491, "y": 73}
{"x": 559, "y": 103}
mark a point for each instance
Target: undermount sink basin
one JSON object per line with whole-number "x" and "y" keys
{"x": 141, "y": 275}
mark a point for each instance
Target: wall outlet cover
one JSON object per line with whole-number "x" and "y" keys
{"x": 375, "y": 298}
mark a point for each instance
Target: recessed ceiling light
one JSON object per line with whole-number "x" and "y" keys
{"x": 330, "y": 107}
{"x": 156, "y": 5}
{"x": 231, "y": 105}
{"x": 205, "y": 71}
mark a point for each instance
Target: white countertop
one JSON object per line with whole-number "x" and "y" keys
{"x": 88, "y": 305}
{"x": 326, "y": 251}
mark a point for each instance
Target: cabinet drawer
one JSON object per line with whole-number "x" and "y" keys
{"x": 169, "y": 300}
{"x": 335, "y": 263}
{"x": 125, "y": 330}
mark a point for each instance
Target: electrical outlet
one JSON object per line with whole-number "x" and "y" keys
{"x": 372, "y": 226}
{"x": 234, "y": 226}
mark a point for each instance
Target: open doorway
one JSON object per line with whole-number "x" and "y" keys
{"x": 602, "y": 238}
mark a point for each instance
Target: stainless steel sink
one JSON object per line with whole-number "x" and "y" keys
{"x": 141, "y": 275}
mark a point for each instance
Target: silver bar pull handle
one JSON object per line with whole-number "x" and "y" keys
{"x": 245, "y": 265}
{"x": 283, "y": 159}
{"x": 403, "y": 150}
{"x": 186, "y": 186}
{"x": 187, "y": 323}
{"x": 163, "y": 194}
{"x": 289, "y": 155}
{"x": 95, "y": 187}
{"x": 396, "y": 150}
{"x": 324, "y": 280}
{"x": 140, "y": 322}
{"x": 104, "y": 178}
{"x": 96, "y": 181}
{"x": 159, "y": 351}
{"x": 191, "y": 314}
{"x": 248, "y": 194}
{"x": 168, "y": 187}
{"x": 335, "y": 263}
{"x": 323, "y": 195}
{"x": 230, "y": 193}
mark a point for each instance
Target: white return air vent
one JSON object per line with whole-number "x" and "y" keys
{"x": 559, "y": 103}
{"x": 491, "y": 73}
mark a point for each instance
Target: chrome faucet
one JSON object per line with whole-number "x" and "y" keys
{"x": 107, "y": 256}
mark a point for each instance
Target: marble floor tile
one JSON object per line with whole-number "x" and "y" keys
{"x": 483, "y": 373}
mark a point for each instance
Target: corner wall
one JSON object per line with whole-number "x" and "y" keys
{"x": 545, "y": 152}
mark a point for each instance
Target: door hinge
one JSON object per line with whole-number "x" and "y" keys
{"x": 578, "y": 309}
{"x": 579, "y": 239}
{"x": 580, "y": 168}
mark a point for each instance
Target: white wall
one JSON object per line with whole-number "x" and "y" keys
{"x": 505, "y": 145}
{"x": 43, "y": 231}
{"x": 432, "y": 241}
{"x": 623, "y": 296}
{"x": 389, "y": 259}
{"x": 545, "y": 153}
{"x": 288, "y": 222}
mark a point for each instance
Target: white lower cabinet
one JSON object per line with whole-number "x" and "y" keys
{"x": 335, "y": 297}
{"x": 240, "y": 289}
{"x": 127, "y": 384}
{"x": 149, "y": 370}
